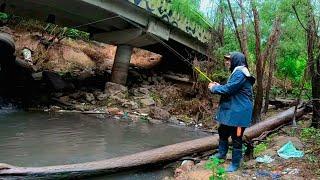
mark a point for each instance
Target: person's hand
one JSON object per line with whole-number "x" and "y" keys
{"x": 212, "y": 84}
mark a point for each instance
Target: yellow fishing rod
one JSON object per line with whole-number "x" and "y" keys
{"x": 202, "y": 73}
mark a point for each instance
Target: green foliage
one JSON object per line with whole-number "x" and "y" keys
{"x": 51, "y": 29}
{"x": 292, "y": 68}
{"x": 144, "y": 119}
{"x": 4, "y": 16}
{"x": 66, "y": 32}
{"x": 218, "y": 172}
{"x": 76, "y": 34}
{"x": 260, "y": 148}
{"x": 189, "y": 9}
{"x": 310, "y": 135}
{"x": 312, "y": 158}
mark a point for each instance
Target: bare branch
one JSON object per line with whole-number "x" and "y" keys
{"x": 235, "y": 24}
{"x": 296, "y": 13}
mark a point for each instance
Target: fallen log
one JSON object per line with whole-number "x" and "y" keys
{"x": 281, "y": 103}
{"x": 147, "y": 158}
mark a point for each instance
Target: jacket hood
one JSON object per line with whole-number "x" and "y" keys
{"x": 237, "y": 59}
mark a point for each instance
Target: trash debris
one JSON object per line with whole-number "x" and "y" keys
{"x": 265, "y": 159}
{"x": 27, "y": 54}
{"x": 289, "y": 151}
{"x": 265, "y": 173}
{"x": 291, "y": 171}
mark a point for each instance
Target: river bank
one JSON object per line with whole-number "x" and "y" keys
{"x": 72, "y": 75}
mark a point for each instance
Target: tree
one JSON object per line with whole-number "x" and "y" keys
{"x": 313, "y": 53}
{"x": 272, "y": 60}
{"x": 261, "y": 56}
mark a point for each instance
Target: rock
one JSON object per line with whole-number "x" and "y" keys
{"x": 37, "y": 76}
{"x": 141, "y": 91}
{"x": 147, "y": 101}
{"x": 116, "y": 100}
{"x": 130, "y": 104}
{"x": 89, "y": 97}
{"x": 113, "y": 89}
{"x": 102, "y": 97}
{"x": 56, "y": 82}
{"x": 159, "y": 113}
{"x": 80, "y": 107}
{"x": 144, "y": 111}
{"x": 173, "y": 120}
{"x": 113, "y": 111}
{"x": 97, "y": 93}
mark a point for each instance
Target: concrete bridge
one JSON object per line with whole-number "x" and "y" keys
{"x": 125, "y": 23}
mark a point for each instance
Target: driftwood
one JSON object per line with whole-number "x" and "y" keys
{"x": 143, "y": 159}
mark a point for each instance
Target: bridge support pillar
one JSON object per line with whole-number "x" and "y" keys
{"x": 121, "y": 64}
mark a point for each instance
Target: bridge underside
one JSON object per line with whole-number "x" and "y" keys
{"x": 110, "y": 21}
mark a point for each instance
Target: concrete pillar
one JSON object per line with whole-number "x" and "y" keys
{"x": 121, "y": 64}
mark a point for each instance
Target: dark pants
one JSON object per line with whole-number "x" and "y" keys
{"x": 226, "y": 131}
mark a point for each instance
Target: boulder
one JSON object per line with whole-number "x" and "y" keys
{"x": 148, "y": 101}
{"x": 158, "y": 113}
{"x": 89, "y": 97}
{"x": 102, "y": 97}
{"x": 141, "y": 91}
{"x": 113, "y": 89}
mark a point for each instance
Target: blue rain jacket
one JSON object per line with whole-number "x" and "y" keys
{"x": 236, "y": 103}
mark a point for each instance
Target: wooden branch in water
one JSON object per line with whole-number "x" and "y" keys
{"x": 143, "y": 159}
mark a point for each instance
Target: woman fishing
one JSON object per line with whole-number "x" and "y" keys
{"x": 235, "y": 108}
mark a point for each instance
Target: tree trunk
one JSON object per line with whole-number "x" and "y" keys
{"x": 314, "y": 65}
{"x": 316, "y": 101}
{"x": 259, "y": 87}
{"x": 272, "y": 41}
{"x": 244, "y": 35}
{"x": 270, "y": 76}
{"x": 143, "y": 159}
{"x": 221, "y": 24}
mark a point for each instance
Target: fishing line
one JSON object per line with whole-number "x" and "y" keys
{"x": 170, "y": 48}
{"x": 197, "y": 69}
